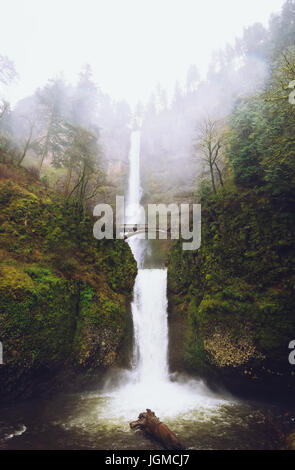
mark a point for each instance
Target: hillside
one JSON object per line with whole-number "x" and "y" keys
{"x": 232, "y": 302}
{"x": 64, "y": 296}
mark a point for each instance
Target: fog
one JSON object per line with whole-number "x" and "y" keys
{"x": 141, "y": 42}
{"x": 99, "y": 64}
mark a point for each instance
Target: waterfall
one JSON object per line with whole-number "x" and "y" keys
{"x": 150, "y": 326}
{"x": 134, "y": 211}
{"x": 148, "y": 384}
{"x": 134, "y": 188}
{"x": 149, "y": 308}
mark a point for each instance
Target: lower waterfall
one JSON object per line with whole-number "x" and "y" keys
{"x": 149, "y": 311}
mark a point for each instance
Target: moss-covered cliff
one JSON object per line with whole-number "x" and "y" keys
{"x": 231, "y": 304}
{"x": 64, "y": 297}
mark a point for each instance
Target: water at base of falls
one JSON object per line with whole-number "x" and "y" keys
{"x": 148, "y": 384}
{"x": 168, "y": 399}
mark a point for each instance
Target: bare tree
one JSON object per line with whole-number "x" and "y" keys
{"x": 209, "y": 143}
{"x": 28, "y": 141}
{"x": 84, "y": 178}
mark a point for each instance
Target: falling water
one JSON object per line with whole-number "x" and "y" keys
{"x": 149, "y": 312}
{"x": 150, "y": 326}
{"x": 134, "y": 188}
{"x": 134, "y": 211}
{"x": 148, "y": 384}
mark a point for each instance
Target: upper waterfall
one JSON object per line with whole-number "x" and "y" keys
{"x": 134, "y": 188}
{"x": 134, "y": 211}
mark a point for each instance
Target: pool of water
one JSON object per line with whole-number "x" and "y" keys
{"x": 97, "y": 421}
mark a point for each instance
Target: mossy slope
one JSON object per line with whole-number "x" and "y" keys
{"x": 233, "y": 300}
{"x": 64, "y": 297}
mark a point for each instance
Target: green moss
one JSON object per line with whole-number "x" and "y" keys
{"x": 241, "y": 279}
{"x": 63, "y": 294}
{"x": 35, "y": 316}
{"x": 104, "y": 322}
{"x": 14, "y": 279}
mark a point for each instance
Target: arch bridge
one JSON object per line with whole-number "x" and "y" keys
{"x": 130, "y": 230}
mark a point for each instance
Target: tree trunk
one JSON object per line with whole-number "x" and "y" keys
{"x": 149, "y": 423}
{"x": 68, "y": 180}
{"x": 212, "y": 177}
{"x": 219, "y": 174}
{"x": 25, "y": 151}
{"x": 44, "y": 153}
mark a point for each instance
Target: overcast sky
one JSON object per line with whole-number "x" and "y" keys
{"x": 131, "y": 44}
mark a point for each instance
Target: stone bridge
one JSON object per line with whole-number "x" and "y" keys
{"x": 129, "y": 230}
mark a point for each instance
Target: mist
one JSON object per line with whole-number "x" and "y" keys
{"x": 102, "y": 64}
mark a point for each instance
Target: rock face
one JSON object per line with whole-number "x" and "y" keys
{"x": 64, "y": 297}
{"x": 231, "y": 304}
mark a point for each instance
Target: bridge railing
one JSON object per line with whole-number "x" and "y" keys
{"x": 129, "y": 230}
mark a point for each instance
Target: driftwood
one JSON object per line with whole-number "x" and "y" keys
{"x": 151, "y": 425}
